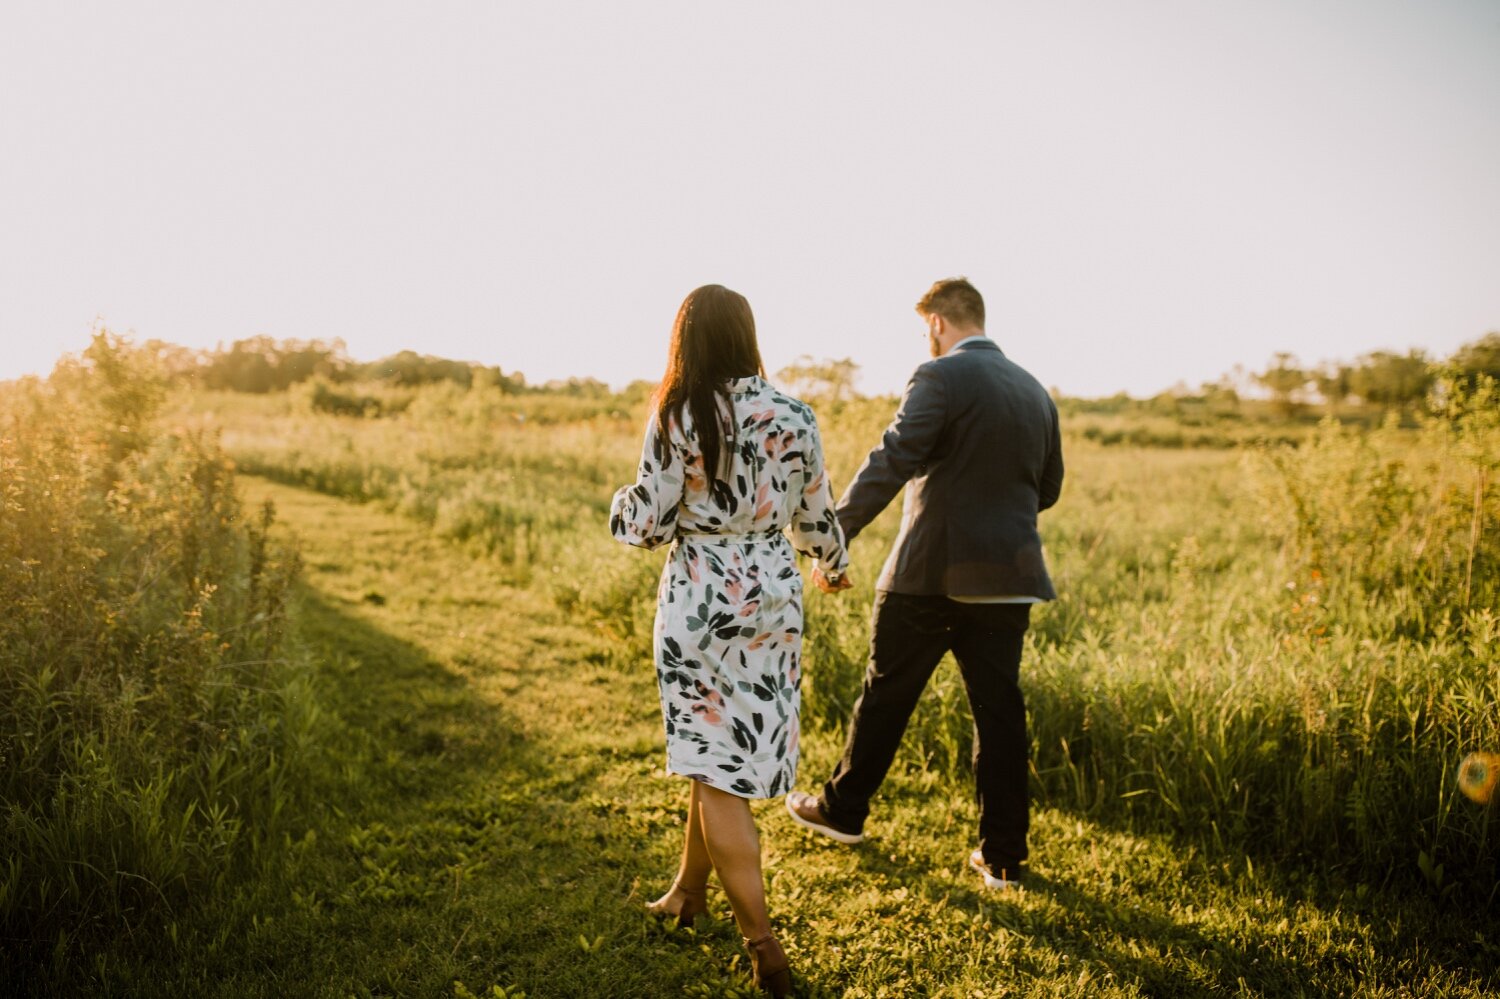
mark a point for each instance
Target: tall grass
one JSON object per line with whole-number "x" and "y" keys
{"x": 149, "y": 731}
{"x": 1288, "y": 650}
{"x": 482, "y": 468}
{"x": 1281, "y": 648}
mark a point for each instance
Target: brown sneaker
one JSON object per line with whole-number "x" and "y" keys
{"x": 807, "y": 811}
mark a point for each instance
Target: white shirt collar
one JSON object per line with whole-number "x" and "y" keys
{"x": 967, "y": 339}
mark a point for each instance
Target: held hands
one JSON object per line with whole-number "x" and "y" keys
{"x": 828, "y": 586}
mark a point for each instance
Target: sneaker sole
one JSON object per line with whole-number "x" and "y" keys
{"x": 990, "y": 881}
{"x": 848, "y": 839}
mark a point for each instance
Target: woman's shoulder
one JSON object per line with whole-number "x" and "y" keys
{"x": 788, "y": 408}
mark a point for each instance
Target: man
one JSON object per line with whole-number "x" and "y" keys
{"x": 976, "y": 443}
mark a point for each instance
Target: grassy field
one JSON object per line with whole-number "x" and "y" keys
{"x": 494, "y": 813}
{"x": 1248, "y": 709}
{"x": 1268, "y": 648}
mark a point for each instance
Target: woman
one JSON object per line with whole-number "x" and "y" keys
{"x": 729, "y": 463}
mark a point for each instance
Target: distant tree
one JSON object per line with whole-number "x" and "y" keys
{"x": 1238, "y": 379}
{"x": 827, "y": 380}
{"x": 265, "y": 364}
{"x": 637, "y": 391}
{"x": 409, "y": 368}
{"x": 583, "y": 388}
{"x": 1392, "y": 381}
{"x": 1220, "y": 396}
{"x": 1168, "y": 403}
{"x": 172, "y": 361}
{"x": 493, "y": 378}
{"x": 1284, "y": 379}
{"x": 1334, "y": 382}
{"x": 1482, "y": 357}
{"x": 247, "y": 366}
{"x": 298, "y": 360}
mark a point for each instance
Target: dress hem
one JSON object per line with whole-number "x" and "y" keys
{"x": 704, "y": 778}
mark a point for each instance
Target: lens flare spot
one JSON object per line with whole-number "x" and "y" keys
{"x": 1477, "y": 776}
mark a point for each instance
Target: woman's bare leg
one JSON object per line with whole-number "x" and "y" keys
{"x": 696, "y": 864}
{"x": 693, "y": 871}
{"x": 734, "y": 847}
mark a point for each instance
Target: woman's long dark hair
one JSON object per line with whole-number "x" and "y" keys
{"x": 713, "y": 340}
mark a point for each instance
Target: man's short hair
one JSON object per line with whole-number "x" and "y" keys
{"x": 956, "y": 300}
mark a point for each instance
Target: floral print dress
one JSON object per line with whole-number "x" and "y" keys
{"x": 728, "y": 634}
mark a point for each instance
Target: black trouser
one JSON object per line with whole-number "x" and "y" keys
{"x": 909, "y": 635}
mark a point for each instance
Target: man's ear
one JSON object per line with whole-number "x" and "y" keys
{"x": 937, "y": 324}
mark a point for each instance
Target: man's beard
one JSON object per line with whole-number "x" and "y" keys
{"x": 934, "y": 346}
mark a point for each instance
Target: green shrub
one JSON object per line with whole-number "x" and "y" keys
{"x": 149, "y": 729}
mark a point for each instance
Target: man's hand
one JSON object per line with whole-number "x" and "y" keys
{"x": 823, "y": 583}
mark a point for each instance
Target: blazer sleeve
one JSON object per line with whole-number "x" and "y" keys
{"x": 815, "y": 527}
{"x": 645, "y": 514}
{"x": 906, "y": 445}
{"x": 1052, "y": 471}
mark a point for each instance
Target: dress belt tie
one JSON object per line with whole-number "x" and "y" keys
{"x": 754, "y": 537}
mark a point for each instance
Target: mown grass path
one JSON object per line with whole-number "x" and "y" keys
{"x": 492, "y": 811}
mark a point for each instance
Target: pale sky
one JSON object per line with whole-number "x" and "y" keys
{"x": 1145, "y": 192}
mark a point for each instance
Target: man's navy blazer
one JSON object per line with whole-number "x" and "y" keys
{"x": 976, "y": 442}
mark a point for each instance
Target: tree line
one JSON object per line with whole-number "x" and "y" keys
{"x": 263, "y": 364}
{"x": 1383, "y": 379}
{"x": 260, "y": 364}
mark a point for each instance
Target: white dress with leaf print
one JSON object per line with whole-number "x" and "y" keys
{"x": 728, "y": 630}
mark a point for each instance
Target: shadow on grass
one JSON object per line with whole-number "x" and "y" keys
{"x": 440, "y": 844}
{"x": 1133, "y": 940}
{"x": 485, "y": 855}
{"x": 458, "y": 830}
{"x": 1206, "y": 965}
{"x": 1387, "y": 909}
{"x": 1111, "y": 938}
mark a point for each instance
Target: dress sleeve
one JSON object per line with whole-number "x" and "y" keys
{"x": 645, "y": 514}
{"x": 815, "y": 529}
